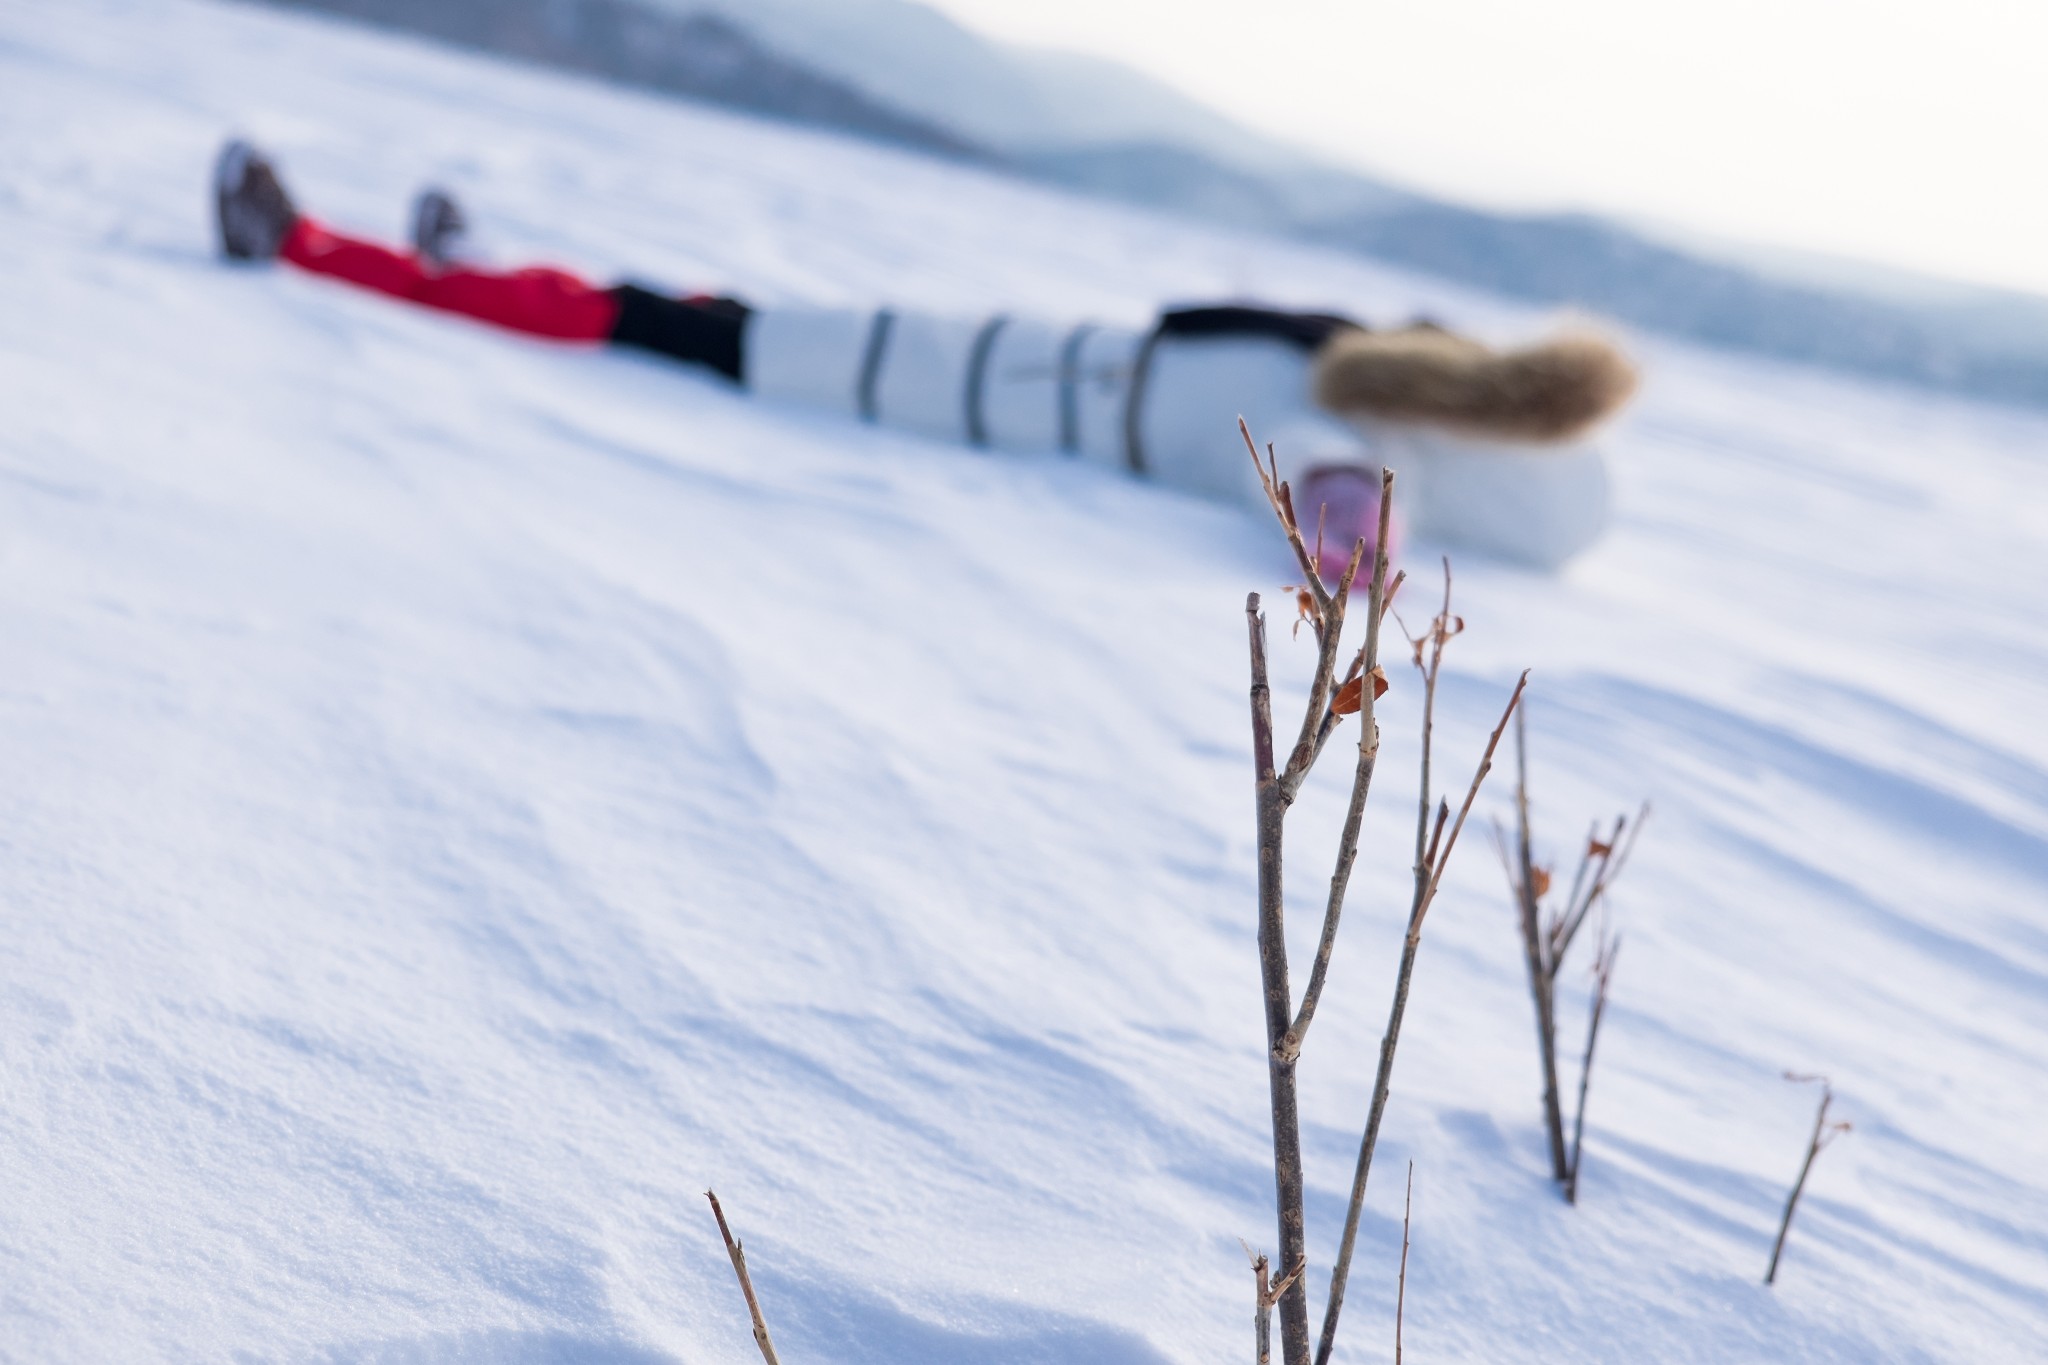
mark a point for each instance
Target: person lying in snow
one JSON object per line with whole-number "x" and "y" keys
{"x": 1488, "y": 445}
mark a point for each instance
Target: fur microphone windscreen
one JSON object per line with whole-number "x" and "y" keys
{"x": 1551, "y": 391}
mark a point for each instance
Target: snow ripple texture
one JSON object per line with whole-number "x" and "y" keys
{"x": 461, "y": 798}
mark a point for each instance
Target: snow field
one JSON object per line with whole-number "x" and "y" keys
{"x": 464, "y": 797}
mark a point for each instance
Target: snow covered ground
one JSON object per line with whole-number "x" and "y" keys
{"x": 460, "y": 798}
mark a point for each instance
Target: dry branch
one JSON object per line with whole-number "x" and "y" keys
{"x": 1365, "y": 670}
{"x": 1262, "y": 1322}
{"x": 1547, "y": 938}
{"x": 1276, "y": 786}
{"x": 1401, "y": 1292}
{"x": 739, "y": 1266}
{"x": 1268, "y": 1295}
{"x": 1432, "y": 856}
{"x": 1278, "y": 781}
{"x": 1272, "y": 810}
{"x": 1541, "y": 975}
{"x": 1824, "y": 1133}
{"x": 1603, "y": 973}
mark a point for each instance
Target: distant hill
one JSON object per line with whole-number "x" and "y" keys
{"x": 1178, "y": 180}
{"x": 901, "y": 72}
{"x": 1980, "y": 342}
{"x": 701, "y": 55}
{"x": 1014, "y": 100}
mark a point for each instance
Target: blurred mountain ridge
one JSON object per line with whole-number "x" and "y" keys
{"x": 702, "y": 55}
{"x": 901, "y": 72}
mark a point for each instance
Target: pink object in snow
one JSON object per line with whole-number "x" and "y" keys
{"x": 1346, "y": 500}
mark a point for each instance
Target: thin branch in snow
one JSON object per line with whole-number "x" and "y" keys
{"x": 1371, "y": 681}
{"x": 1528, "y": 883}
{"x": 1433, "y": 848}
{"x": 739, "y": 1266}
{"x": 1401, "y": 1293}
{"x": 1324, "y": 608}
{"x": 1267, "y": 1296}
{"x": 1824, "y": 1134}
{"x": 1276, "y": 784}
{"x": 1262, "y": 1319}
{"x": 1603, "y": 973}
{"x": 1546, "y": 940}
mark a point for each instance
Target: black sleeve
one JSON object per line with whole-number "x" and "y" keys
{"x": 1306, "y": 330}
{"x": 700, "y": 331}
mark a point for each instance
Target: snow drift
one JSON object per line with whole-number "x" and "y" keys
{"x": 463, "y": 797}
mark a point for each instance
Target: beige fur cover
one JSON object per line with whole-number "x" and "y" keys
{"x": 1550, "y": 391}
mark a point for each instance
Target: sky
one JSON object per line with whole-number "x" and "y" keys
{"x": 1895, "y": 131}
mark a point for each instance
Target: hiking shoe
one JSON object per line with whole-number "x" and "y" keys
{"x": 251, "y": 208}
{"x": 438, "y": 227}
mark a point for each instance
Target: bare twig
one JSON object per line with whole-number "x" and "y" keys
{"x": 1401, "y": 1293}
{"x": 1280, "y": 1065}
{"x": 1824, "y": 1133}
{"x": 1366, "y": 669}
{"x": 1324, "y": 609}
{"x": 1278, "y": 780}
{"x": 1277, "y": 783}
{"x": 1545, "y": 942}
{"x": 739, "y": 1266}
{"x": 1523, "y": 878}
{"x": 1282, "y": 501}
{"x": 1268, "y": 1295}
{"x": 1603, "y": 973}
{"x": 1432, "y": 856}
{"x": 1332, "y": 715}
{"x": 1262, "y": 1328}
{"x": 1606, "y": 858}
{"x": 1585, "y": 862}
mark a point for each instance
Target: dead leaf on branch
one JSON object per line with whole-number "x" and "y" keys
{"x": 1304, "y": 606}
{"x": 1539, "y": 882}
{"x": 1350, "y": 698}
